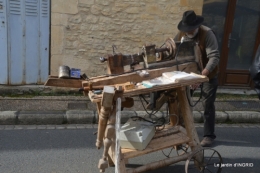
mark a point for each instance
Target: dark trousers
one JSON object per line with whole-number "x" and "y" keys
{"x": 208, "y": 98}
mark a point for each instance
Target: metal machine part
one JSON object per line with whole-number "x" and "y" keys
{"x": 171, "y": 46}
{"x": 151, "y": 57}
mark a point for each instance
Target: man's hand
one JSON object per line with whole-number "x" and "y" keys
{"x": 205, "y": 72}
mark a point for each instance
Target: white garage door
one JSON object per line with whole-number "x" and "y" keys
{"x": 24, "y": 34}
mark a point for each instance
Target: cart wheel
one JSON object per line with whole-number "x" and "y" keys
{"x": 182, "y": 149}
{"x": 210, "y": 163}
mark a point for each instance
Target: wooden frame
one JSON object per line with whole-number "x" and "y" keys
{"x": 173, "y": 135}
{"x": 224, "y": 72}
{"x": 176, "y": 135}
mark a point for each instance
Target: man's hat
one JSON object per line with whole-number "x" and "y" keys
{"x": 190, "y": 21}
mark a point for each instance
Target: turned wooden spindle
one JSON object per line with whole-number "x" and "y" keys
{"x": 106, "y": 105}
{"x": 102, "y": 123}
{"x": 109, "y": 136}
{"x": 103, "y": 162}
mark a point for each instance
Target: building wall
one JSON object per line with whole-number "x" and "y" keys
{"x": 84, "y": 30}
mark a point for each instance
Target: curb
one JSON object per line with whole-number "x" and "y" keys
{"x": 39, "y": 117}
{"x": 91, "y": 117}
{"x": 243, "y": 116}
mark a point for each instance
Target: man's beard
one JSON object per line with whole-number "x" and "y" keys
{"x": 192, "y": 35}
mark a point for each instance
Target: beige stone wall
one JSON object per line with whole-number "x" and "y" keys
{"x": 84, "y": 30}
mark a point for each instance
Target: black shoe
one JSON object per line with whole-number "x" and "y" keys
{"x": 207, "y": 142}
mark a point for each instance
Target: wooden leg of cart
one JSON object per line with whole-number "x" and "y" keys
{"x": 173, "y": 109}
{"x": 106, "y": 104}
{"x": 105, "y": 131}
{"x": 188, "y": 121}
{"x": 174, "y": 114}
{"x": 109, "y": 137}
{"x": 102, "y": 122}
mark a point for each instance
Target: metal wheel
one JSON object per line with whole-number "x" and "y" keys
{"x": 205, "y": 160}
{"x": 182, "y": 149}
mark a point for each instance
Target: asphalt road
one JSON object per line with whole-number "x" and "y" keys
{"x": 71, "y": 149}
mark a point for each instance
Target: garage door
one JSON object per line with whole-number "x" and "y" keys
{"x": 25, "y": 28}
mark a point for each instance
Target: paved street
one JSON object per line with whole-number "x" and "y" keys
{"x": 71, "y": 149}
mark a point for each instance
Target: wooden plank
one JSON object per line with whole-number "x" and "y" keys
{"x": 115, "y": 64}
{"x": 134, "y": 77}
{"x": 59, "y": 82}
{"x": 158, "y": 143}
{"x": 69, "y": 82}
{"x": 182, "y": 129}
{"x": 160, "y": 163}
{"x": 95, "y": 98}
{"x": 237, "y": 78}
{"x": 143, "y": 90}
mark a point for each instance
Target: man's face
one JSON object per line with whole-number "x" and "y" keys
{"x": 192, "y": 33}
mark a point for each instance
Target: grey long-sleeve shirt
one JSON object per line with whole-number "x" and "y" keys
{"x": 211, "y": 48}
{"x": 211, "y": 45}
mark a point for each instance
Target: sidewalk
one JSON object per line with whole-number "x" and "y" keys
{"x": 21, "y": 110}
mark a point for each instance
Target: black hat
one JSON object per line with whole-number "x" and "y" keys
{"x": 190, "y": 21}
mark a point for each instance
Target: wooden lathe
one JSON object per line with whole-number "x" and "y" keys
{"x": 175, "y": 134}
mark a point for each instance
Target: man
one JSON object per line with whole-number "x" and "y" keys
{"x": 191, "y": 26}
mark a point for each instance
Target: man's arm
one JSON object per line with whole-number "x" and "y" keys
{"x": 211, "y": 45}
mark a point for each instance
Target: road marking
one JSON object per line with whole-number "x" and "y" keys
{"x": 95, "y": 126}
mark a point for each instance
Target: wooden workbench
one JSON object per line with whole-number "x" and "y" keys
{"x": 173, "y": 135}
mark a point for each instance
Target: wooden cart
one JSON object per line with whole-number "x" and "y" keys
{"x": 175, "y": 134}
